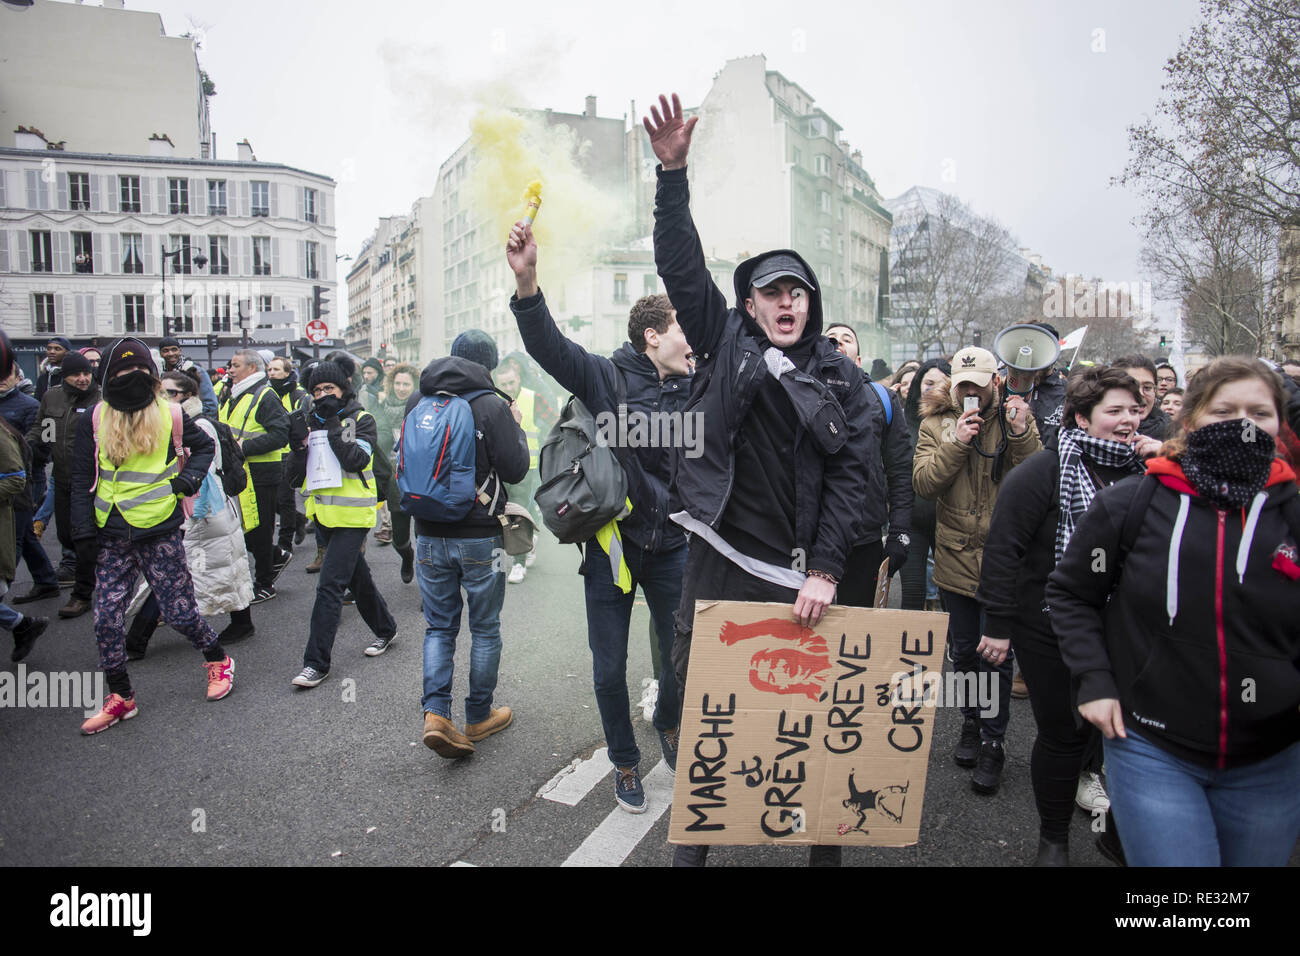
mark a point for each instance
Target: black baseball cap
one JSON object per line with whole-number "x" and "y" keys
{"x": 780, "y": 266}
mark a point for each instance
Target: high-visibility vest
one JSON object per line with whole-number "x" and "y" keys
{"x": 291, "y": 400}
{"x": 140, "y": 488}
{"x": 352, "y": 504}
{"x": 526, "y": 402}
{"x": 241, "y": 416}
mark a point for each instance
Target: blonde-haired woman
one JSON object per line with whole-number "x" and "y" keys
{"x": 127, "y": 485}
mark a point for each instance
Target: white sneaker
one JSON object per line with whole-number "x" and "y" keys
{"x": 649, "y": 697}
{"x": 532, "y": 556}
{"x": 517, "y": 574}
{"x": 1091, "y": 795}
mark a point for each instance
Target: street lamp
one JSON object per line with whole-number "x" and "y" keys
{"x": 199, "y": 260}
{"x": 243, "y": 321}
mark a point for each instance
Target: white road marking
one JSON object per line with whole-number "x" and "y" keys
{"x": 463, "y": 863}
{"x": 620, "y": 832}
{"x": 575, "y": 781}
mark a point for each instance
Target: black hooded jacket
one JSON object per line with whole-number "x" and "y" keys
{"x": 592, "y": 379}
{"x": 760, "y": 480}
{"x": 502, "y": 444}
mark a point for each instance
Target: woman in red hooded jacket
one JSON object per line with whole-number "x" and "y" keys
{"x": 1175, "y": 605}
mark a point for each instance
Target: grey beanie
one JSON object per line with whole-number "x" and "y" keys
{"x": 477, "y": 346}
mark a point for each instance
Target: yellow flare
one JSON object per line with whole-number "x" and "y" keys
{"x": 533, "y": 201}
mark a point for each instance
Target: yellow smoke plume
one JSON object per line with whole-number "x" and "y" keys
{"x": 515, "y": 152}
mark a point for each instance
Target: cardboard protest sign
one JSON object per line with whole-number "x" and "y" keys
{"x": 806, "y": 735}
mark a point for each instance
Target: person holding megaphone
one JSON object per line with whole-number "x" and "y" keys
{"x": 969, "y": 438}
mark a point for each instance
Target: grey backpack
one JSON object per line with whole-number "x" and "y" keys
{"x": 583, "y": 485}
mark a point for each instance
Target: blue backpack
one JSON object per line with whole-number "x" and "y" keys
{"x": 436, "y": 459}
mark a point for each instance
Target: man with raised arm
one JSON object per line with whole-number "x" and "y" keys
{"x": 784, "y": 472}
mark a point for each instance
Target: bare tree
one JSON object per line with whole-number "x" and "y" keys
{"x": 1117, "y": 322}
{"x": 1220, "y": 262}
{"x": 955, "y": 273}
{"x": 1227, "y": 126}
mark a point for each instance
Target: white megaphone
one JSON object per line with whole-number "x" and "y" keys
{"x": 1025, "y": 350}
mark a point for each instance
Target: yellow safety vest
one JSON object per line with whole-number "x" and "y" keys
{"x": 241, "y": 416}
{"x": 350, "y": 505}
{"x": 526, "y": 401}
{"x": 610, "y": 538}
{"x": 290, "y": 406}
{"x": 140, "y": 488}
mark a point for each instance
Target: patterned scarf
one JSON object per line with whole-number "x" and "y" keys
{"x": 1078, "y": 486}
{"x": 1228, "y": 463}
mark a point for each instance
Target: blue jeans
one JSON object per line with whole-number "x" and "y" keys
{"x": 30, "y": 550}
{"x": 1172, "y": 812}
{"x": 45, "y": 510}
{"x": 609, "y": 614}
{"x": 442, "y": 567}
{"x": 9, "y": 618}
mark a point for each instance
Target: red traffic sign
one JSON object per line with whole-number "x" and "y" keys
{"x": 317, "y": 331}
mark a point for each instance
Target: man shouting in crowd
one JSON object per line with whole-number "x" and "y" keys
{"x": 775, "y": 499}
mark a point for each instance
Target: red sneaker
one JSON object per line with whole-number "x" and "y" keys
{"x": 221, "y": 677}
{"x": 114, "y": 709}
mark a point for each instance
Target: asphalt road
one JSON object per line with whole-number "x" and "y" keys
{"x": 337, "y": 775}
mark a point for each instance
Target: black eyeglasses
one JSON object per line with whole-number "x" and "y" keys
{"x": 174, "y": 391}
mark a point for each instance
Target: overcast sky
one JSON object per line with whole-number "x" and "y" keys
{"x": 1019, "y": 108}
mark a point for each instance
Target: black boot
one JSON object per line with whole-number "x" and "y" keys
{"x": 824, "y": 855}
{"x": 968, "y": 748}
{"x": 25, "y": 635}
{"x": 137, "y": 637}
{"x": 687, "y": 855}
{"x": 239, "y": 628}
{"x": 988, "y": 768}
{"x": 1052, "y": 854}
{"x": 408, "y": 564}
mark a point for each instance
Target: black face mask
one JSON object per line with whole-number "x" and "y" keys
{"x": 1228, "y": 463}
{"x": 130, "y": 393}
{"x": 327, "y": 407}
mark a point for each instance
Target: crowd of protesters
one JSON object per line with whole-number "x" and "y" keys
{"x": 1127, "y": 540}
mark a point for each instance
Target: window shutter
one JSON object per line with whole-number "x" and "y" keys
{"x": 275, "y": 256}
{"x": 4, "y": 189}
{"x": 198, "y": 197}
{"x": 61, "y": 313}
{"x": 146, "y": 253}
{"x": 114, "y": 254}
{"x": 85, "y": 313}
{"x": 33, "y": 199}
{"x": 4, "y": 250}
{"x": 98, "y": 247}
{"x": 162, "y": 208}
{"x": 245, "y": 255}
{"x": 275, "y": 303}
{"x": 244, "y": 207}
{"x": 63, "y": 191}
{"x": 21, "y": 241}
{"x": 302, "y": 201}
{"x": 322, "y": 211}
{"x": 146, "y": 195}
{"x": 119, "y": 314}
{"x": 302, "y": 259}
{"x": 94, "y": 193}
{"x": 111, "y": 193}
{"x": 62, "y": 252}
{"x": 31, "y": 299}
{"x": 274, "y": 190}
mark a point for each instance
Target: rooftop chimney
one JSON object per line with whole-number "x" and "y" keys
{"x": 246, "y": 152}
{"x": 590, "y": 109}
{"x": 25, "y": 138}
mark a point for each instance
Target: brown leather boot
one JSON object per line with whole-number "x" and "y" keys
{"x": 314, "y": 567}
{"x": 442, "y": 737}
{"x": 75, "y": 607}
{"x": 499, "y": 720}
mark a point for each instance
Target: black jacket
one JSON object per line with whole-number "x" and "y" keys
{"x": 1020, "y": 550}
{"x": 49, "y": 377}
{"x": 270, "y": 414}
{"x": 64, "y": 410}
{"x": 743, "y": 411}
{"x": 892, "y": 467}
{"x": 1156, "y": 425}
{"x": 85, "y": 466}
{"x": 1047, "y": 402}
{"x": 592, "y": 379}
{"x": 353, "y": 455}
{"x": 502, "y": 444}
{"x": 1113, "y": 621}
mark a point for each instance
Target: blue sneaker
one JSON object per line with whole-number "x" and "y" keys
{"x": 668, "y": 742}
{"x": 628, "y": 790}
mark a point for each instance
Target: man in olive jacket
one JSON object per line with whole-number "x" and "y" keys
{"x": 961, "y": 456}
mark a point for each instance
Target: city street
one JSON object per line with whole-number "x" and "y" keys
{"x": 338, "y": 775}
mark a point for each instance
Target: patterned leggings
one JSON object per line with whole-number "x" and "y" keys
{"x": 162, "y": 561}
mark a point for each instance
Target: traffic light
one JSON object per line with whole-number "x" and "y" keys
{"x": 319, "y": 302}
{"x": 1162, "y": 342}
